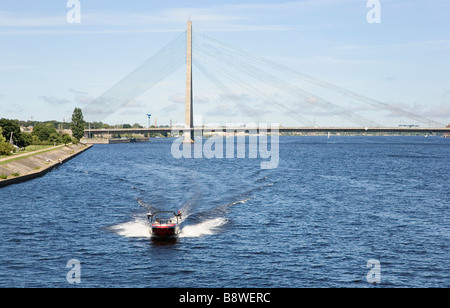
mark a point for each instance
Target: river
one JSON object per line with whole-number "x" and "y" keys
{"x": 316, "y": 220}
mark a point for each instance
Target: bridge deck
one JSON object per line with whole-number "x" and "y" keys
{"x": 356, "y": 130}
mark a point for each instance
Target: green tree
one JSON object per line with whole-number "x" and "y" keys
{"x": 12, "y": 126}
{"x": 2, "y": 138}
{"x": 55, "y": 138}
{"x": 77, "y": 124}
{"x": 44, "y": 131}
{"x": 5, "y": 147}
{"x": 66, "y": 139}
{"x": 27, "y": 139}
{"x": 96, "y": 125}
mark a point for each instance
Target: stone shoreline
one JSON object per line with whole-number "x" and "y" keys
{"x": 36, "y": 165}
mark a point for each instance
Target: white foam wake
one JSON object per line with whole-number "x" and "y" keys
{"x": 136, "y": 228}
{"x": 207, "y": 227}
{"x": 140, "y": 228}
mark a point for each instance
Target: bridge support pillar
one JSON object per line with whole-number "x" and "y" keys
{"x": 189, "y": 115}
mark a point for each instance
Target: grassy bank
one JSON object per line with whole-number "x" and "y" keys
{"x": 30, "y": 165}
{"x": 30, "y": 152}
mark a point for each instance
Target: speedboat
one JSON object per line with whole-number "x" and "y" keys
{"x": 163, "y": 226}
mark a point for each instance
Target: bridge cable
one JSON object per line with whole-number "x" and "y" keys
{"x": 323, "y": 84}
{"x": 246, "y": 86}
{"x": 158, "y": 67}
{"x": 229, "y": 94}
{"x": 276, "y": 82}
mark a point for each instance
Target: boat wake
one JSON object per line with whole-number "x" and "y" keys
{"x": 208, "y": 222}
{"x": 140, "y": 228}
{"x": 207, "y": 227}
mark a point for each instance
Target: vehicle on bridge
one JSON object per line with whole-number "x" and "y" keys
{"x": 163, "y": 225}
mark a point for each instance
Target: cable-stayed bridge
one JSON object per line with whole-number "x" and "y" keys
{"x": 231, "y": 70}
{"x": 305, "y": 130}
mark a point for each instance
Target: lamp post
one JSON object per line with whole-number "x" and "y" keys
{"x": 149, "y": 115}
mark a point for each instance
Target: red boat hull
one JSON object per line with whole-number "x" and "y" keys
{"x": 163, "y": 231}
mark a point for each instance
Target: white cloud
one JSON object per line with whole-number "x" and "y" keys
{"x": 339, "y": 61}
{"x": 443, "y": 44}
{"x": 237, "y": 17}
{"x": 221, "y": 109}
{"x": 441, "y": 111}
{"x": 53, "y": 100}
{"x": 133, "y": 104}
{"x": 177, "y": 98}
{"x": 21, "y": 20}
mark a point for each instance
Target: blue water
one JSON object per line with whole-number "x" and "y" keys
{"x": 315, "y": 221}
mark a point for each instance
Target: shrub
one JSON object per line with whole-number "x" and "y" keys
{"x": 6, "y": 148}
{"x": 55, "y": 138}
{"x": 66, "y": 138}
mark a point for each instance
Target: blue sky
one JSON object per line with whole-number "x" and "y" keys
{"x": 49, "y": 66}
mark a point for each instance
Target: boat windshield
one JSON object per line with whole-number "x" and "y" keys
{"x": 163, "y": 218}
{"x": 164, "y": 221}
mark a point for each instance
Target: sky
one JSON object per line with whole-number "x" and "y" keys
{"x": 49, "y": 65}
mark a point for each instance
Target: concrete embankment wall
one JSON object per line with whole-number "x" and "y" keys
{"x": 114, "y": 141}
{"x": 37, "y": 165}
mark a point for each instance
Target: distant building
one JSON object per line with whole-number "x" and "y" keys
{"x": 66, "y": 131}
{"x": 28, "y": 129}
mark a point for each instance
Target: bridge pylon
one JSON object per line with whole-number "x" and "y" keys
{"x": 189, "y": 115}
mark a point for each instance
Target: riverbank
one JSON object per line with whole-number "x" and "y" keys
{"x": 24, "y": 167}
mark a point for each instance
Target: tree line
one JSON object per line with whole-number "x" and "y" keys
{"x": 44, "y": 133}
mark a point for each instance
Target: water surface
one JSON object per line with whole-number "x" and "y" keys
{"x": 315, "y": 221}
